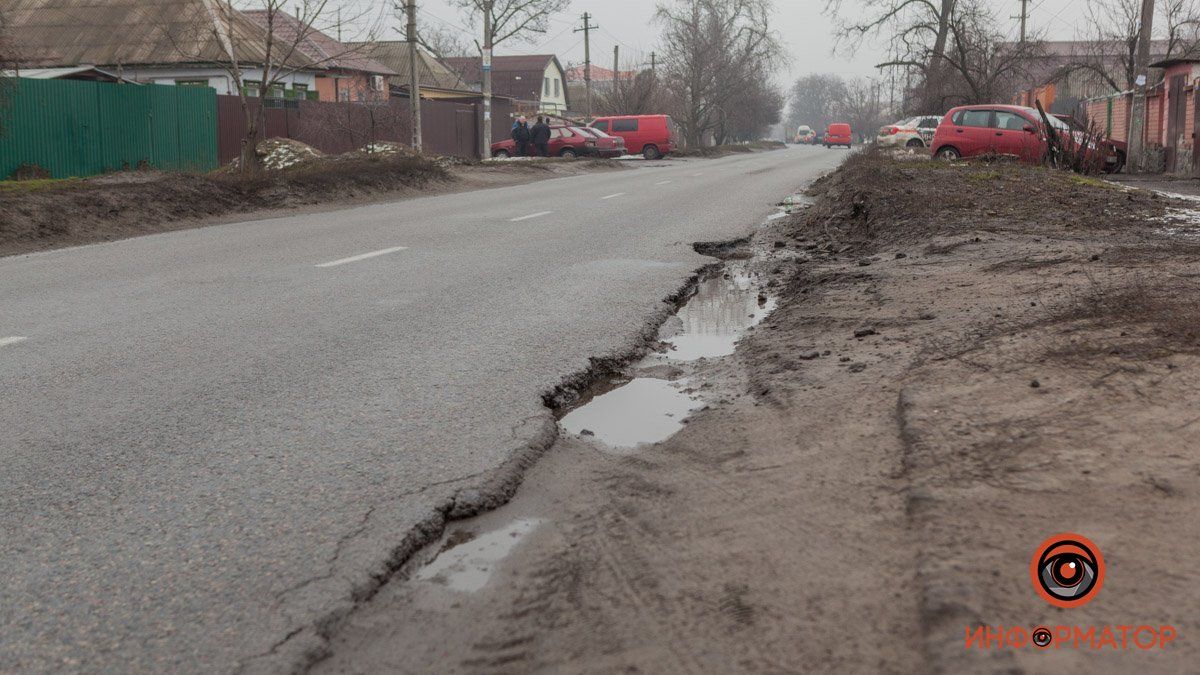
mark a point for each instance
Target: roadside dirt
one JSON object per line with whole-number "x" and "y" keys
{"x": 38, "y": 215}
{"x": 965, "y": 359}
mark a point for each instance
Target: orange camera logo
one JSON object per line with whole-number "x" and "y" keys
{"x": 1067, "y": 570}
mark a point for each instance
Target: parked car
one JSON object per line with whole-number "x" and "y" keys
{"x": 914, "y": 132}
{"x": 838, "y": 133}
{"x": 570, "y": 142}
{"x": 1017, "y": 131}
{"x": 652, "y": 136}
{"x": 806, "y": 136}
{"x": 1115, "y": 151}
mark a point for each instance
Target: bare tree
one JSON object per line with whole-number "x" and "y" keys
{"x": 441, "y": 41}
{"x": 9, "y": 62}
{"x": 714, "y": 49}
{"x": 1108, "y": 50}
{"x": 519, "y": 19}
{"x": 638, "y": 95}
{"x": 817, "y": 100}
{"x": 863, "y": 107}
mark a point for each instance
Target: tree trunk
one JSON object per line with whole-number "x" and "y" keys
{"x": 248, "y": 161}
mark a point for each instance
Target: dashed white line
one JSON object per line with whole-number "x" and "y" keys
{"x": 364, "y": 256}
{"x": 662, "y": 182}
{"x": 695, "y": 175}
{"x": 531, "y": 216}
{"x": 4, "y": 342}
{"x": 614, "y": 196}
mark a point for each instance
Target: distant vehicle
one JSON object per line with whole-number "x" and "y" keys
{"x": 1018, "y": 131}
{"x": 1115, "y": 152}
{"x": 838, "y": 133}
{"x": 806, "y": 136}
{"x": 652, "y": 136}
{"x": 914, "y": 132}
{"x": 570, "y": 142}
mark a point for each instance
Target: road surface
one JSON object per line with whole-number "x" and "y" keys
{"x": 213, "y": 437}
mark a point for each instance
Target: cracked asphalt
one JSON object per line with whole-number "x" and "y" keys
{"x": 214, "y": 438}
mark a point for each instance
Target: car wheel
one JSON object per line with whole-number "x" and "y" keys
{"x": 915, "y": 143}
{"x": 500, "y": 154}
{"x": 949, "y": 154}
{"x": 651, "y": 152}
{"x": 567, "y": 154}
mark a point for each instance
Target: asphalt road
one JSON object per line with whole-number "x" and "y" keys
{"x": 211, "y": 437}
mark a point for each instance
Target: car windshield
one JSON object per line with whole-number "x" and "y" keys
{"x": 1054, "y": 121}
{"x": 906, "y": 123}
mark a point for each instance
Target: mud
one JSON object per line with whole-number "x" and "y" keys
{"x": 959, "y": 366}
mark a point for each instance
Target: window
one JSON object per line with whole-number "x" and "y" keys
{"x": 191, "y": 83}
{"x": 275, "y": 90}
{"x": 546, "y": 86}
{"x": 602, "y": 126}
{"x": 557, "y": 91}
{"x": 1009, "y": 121}
{"x": 301, "y": 90}
{"x": 972, "y": 118}
{"x": 929, "y": 122}
{"x": 560, "y": 132}
{"x": 250, "y": 88}
{"x": 625, "y": 125}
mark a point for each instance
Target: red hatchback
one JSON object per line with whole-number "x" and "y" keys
{"x": 569, "y": 142}
{"x": 975, "y": 130}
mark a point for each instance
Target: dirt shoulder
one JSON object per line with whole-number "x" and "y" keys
{"x": 40, "y": 214}
{"x": 965, "y": 359}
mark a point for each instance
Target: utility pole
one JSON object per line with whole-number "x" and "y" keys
{"x": 1137, "y": 116}
{"x": 486, "y": 151}
{"x": 587, "y": 58}
{"x": 653, "y": 62}
{"x": 616, "y": 66}
{"x": 414, "y": 81}
{"x": 1024, "y": 18}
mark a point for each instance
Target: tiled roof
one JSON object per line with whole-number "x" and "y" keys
{"x": 317, "y": 46}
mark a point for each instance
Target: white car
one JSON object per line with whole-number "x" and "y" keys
{"x": 914, "y": 132}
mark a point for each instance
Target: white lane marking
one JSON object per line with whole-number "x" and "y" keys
{"x": 662, "y": 182}
{"x": 364, "y": 256}
{"x": 531, "y": 216}
{"x": 4, "y": 342}
{"x": 614, "y": 196}
{"x": 697, "y": 174}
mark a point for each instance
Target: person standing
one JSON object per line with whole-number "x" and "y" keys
{"x": 521, "y": 137}
{"x": 541, "y": 138}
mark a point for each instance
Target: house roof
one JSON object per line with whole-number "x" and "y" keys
{"x": 318, "y": 47}
{"x": 394, "y": 55}
{"x": 75, "y": 72}
{"x": 517, "y": 76}
{"x": 134, "y": 32}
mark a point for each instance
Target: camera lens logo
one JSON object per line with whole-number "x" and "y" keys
{"x": 1042, "y": 637}
{"x": 1067, "y": 570}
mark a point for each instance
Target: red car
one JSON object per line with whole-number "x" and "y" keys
{"x": 838, "y": 133}
{"x": 569, "y": 142}
{"x": 1017, "y": 131}
{"x": 651, "y": 136}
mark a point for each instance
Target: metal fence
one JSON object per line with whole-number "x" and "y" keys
{"x": 447, "y": 127}
{"x": 73, "y": 128}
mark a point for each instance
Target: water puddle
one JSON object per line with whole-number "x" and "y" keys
{"x": 644, "y": 410}
{"x": 467, "y": 567}
{"x": 718, "y": 315}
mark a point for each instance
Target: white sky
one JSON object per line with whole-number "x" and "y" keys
{"x": 806, "y": 30}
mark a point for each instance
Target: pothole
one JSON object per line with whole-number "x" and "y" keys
{"x": 643, "y": 410}
{"x": 724, "y": 307}
{"x": 468, "y": 566}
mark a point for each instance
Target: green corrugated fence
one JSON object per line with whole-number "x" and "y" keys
{"x": 74, "y": 128}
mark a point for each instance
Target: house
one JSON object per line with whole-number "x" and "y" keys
{"x": 537, "y": 82}
{"x": 438, "y": 80}
{"x": 346, "y": 72}
{"x": 181, "y": 42}
{"x": 1061, "y": 74}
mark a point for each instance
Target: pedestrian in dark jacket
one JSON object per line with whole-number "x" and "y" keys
{"x": 521, "y": 137}
{"x": 541, "y": 138}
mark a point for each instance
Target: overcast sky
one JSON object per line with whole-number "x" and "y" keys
{"x": 805, "y": 29}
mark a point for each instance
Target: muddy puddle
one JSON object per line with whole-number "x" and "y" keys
{"x": 724, "y": 307}
{"x": 468, "y": 566}
{"x": 643, "y": 410}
